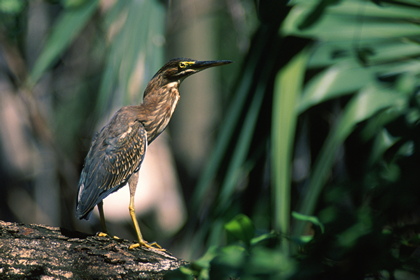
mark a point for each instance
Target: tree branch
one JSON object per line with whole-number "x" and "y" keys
{"x": 33, "y": 251}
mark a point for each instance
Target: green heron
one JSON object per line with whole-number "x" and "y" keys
{"x": 118, "y": 150}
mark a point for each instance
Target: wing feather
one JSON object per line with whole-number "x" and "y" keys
{"x": 115, "y": 154}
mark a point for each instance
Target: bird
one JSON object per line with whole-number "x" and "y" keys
{"x": 118, "y": 149}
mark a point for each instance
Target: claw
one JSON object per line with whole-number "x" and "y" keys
{"x": 103, "y": 234}
{"x": 153, "y": 245}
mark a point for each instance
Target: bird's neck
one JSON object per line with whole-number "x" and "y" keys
{"x": 159, "y": 104}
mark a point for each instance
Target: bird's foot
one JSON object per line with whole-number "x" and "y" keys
{"x": 104, "y": 234}
{"x": 153, "y": 245}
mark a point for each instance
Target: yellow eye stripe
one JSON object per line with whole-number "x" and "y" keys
{"x": 185, "y": 64}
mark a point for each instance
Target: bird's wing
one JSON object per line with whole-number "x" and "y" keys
{"x": 114, "y": 156}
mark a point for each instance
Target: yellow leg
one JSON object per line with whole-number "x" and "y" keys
{"x": 133, "y": 185}
{"x": 136, "y": 224}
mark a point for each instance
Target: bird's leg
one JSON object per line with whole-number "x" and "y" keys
{"x": 103, "y": 223}
{"x": 132, "y": 182}
{"x": 102, "y": 218}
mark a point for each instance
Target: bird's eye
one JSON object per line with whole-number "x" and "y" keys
{"x": 185, "y": 64}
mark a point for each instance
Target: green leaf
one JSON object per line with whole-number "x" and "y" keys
{"x": 242, "y": 146}
{"x": 66, "y": 28}
{"x": 204, "y": 261}
{"x": 241, "y": 228}
{"x": 135, "y": 52}
{"x": 232, "y": 255}
{"x": 231, "y": 121}
{"x": 312, "y": 219}
{"x": 11, "y": 6}
{"x": 201, "y": 267}
{"x": 364, "y": 105}
{"x": 346, "y": 22}
{"x": 271, "y": 264}
{"x": 188, "y": 272}
{"x": 287, "y": 89}
{"x": 263, "y": 237}
{"x": 316, "y": 13}
{"x": 337, "y": 80}
{"x": 361, "y": 227}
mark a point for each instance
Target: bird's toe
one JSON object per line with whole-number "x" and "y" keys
{"x": 153, "y": 245}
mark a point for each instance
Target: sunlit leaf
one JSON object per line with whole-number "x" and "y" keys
{"x": 359, "y": 21}
{"x": 241, "y": 228}
{"x": 287, "y": 90}
{"x": 340, "y": 79}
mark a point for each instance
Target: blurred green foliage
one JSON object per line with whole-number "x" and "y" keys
{"x": 11, "y": 7}
{"x": 324, "y": 122}
{"x": 313, "y": 174}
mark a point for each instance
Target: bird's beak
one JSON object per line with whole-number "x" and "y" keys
{"x": 201, "y": 65}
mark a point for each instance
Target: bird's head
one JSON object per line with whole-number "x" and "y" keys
{"x": 174, "y": 72}
{"x": 178, "y": 69}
